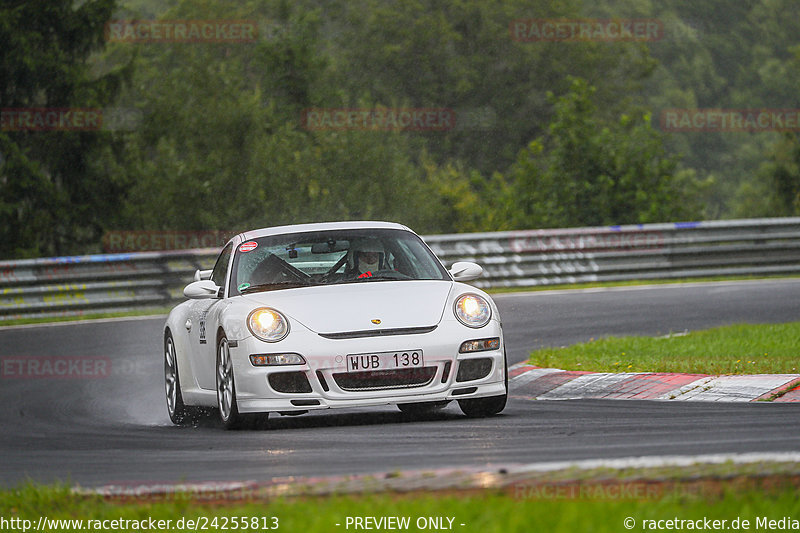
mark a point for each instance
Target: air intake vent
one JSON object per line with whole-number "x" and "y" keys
{"x": 470, "y": 369}
{"x": 289, "y": 382}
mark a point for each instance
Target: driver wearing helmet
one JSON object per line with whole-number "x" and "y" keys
{"x": 366, "y": 256}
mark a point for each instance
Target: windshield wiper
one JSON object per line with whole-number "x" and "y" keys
{"x": 261, "y": 287}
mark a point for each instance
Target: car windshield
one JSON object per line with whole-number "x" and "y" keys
{"x": 331, "y": 258}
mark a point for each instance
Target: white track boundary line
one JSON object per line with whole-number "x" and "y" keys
{"x": 657, "y": 461}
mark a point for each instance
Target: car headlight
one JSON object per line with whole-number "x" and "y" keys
{"x": 473, "y": 310}
{"x": 267, "y": 324}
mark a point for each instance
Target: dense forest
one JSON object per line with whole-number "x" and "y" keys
{"x": 215, "y": 134}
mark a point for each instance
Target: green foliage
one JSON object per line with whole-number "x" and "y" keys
{"x": 780, "y": 178}
{"x": 53, "y": 200}
{"x": 223, "y": 122}
{"x": 732, "y": 55}
{"x": 459, "y": 54}
{"x": 587, "y": 172}
{"x": 547, "y": 133}
{"x": 222, "y": 144}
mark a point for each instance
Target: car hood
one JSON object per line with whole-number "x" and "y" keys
{"x": 353, "y": 307}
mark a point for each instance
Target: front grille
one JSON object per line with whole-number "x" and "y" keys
{"x": 378, "y": 332}
{"x": 470, "y": 369}
{"x": 385, "y": 379}
{"x": 289, "y": 382}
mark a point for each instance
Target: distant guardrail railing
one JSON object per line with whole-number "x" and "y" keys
{"x": 79, "y": 285}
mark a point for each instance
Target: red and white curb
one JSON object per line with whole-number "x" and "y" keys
{"x": 527, "y": 381}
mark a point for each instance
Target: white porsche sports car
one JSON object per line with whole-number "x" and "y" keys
{"x": 319, "y": 316}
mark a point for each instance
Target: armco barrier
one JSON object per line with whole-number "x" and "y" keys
{"x": 84, "y": 284}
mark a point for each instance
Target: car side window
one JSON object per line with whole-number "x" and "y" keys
{"x": 218, "y": 275}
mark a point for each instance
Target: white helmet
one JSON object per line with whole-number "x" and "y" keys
{"x": 365, "y": 255}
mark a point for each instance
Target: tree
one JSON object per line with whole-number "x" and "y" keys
{"x": 779, "y": 191}
{"x": 222, "y": 145}
{"x": 53, "y": 199}
{"x": 461, "y": 55}
{"x": 588, "y": 172}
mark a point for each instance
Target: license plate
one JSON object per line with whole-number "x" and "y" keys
{"x": 385, "y": 360}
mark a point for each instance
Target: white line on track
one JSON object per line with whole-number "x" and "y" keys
{"x": 663, "y": 460}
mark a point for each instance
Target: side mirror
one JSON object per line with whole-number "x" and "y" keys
{"x": 465, "y": 271}
{"x": 202, "y": 274}
{"x": 201, "y": 290}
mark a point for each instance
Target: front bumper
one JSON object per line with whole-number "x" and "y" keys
{"x": 329, "y": 385}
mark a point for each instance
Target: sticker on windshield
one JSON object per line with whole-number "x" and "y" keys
{"x": 248, "y": 246}
{"x": 243, "y": 286}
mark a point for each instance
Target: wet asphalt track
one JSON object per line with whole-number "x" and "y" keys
{"x": 115, "y": 429}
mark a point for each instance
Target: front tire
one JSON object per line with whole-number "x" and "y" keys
{"x": 226, "y": 387}
{"x": 483, "y": 407}
{"x": 177, "y": 410}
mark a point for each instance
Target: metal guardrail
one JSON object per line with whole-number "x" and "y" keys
{"x": 115, "y": 282}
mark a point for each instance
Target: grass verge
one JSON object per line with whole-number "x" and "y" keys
{"x": 486, "y": 511}
{"x": 737, "y": 349}
{"x": 87, "y": 316}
